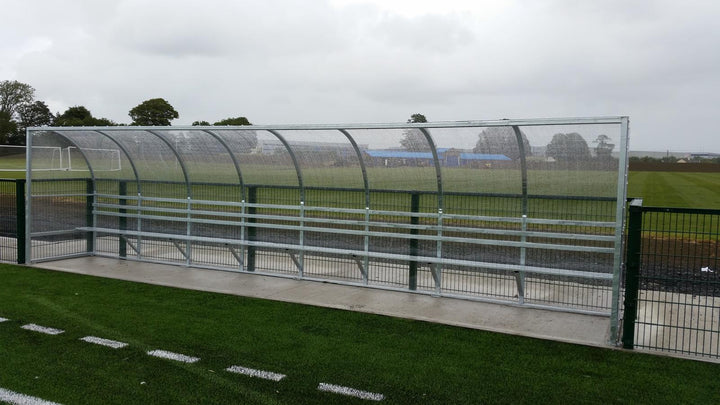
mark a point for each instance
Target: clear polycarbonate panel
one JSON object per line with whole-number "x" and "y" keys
{"x": 327, "y": 160}
{"x": 573, "y": 160}
{"x": 50, "y": 155}
{"x": 573, "y": 176}
{"x": 205, "y": 157}
{"x": 263, "y": 158}
{"x": 161, "y": 172}
{"x": 397, "y": 159}
{"x": 479, "y": 160}
{"x": 106, "y": 158}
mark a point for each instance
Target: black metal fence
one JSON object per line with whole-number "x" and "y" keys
{"x": 672, "y": 283}
{"x": 12, "y": 221}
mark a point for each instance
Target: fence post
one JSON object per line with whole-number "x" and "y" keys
{"x": 632, "y": 271}
{"x": 20, "y": 221}
{"x": 252, "y": 231}
{"x": 122, "y": 248}
{"x": 414, "y": 220}
{"x": 89, "y": 199}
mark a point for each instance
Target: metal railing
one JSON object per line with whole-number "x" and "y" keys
{"x": 672, "y": 281}
{"x": 403, "y": 243}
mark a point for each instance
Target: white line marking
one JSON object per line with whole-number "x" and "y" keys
{"x": 104, "y": 342}
{"x": 268, "y": 375}
{"x": 339, "y": 389}
{"x": 3, "y": 319}
{"x": 173, "y": 356}
{"x": 17, "y": 398}
{"x": 42, "y": 329}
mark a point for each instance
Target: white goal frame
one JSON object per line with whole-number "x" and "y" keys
{"x": 56, "y": 160}
{"x": 115, "y": 160}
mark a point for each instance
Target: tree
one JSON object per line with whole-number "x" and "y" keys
{"x": 413, "y": 139}
{"x": 155, "y": 111}
{"x": 79, "y": 116}
{"x": 417, "y": 118}
{"x": 604, "y": 149}
{"x": 234, "y": 121}
{"x": 501, "y": 141}
{"x": 568, "y": 148}
{"x": 8, "y": 128}
{"x": 13, "y": 94}
{"x": 35, "y": 114}
{"x": 200, "y": 124}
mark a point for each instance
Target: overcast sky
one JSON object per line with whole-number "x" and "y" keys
{"x": 342, "y": 61}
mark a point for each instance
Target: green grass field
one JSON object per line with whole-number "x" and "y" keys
{"x": 410, "y": 362}
{"x": 676, "y": 189}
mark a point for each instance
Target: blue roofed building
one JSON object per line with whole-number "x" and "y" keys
{"x": 448, "y": 157}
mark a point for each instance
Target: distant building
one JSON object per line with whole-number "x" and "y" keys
{"x": 447, "y": 157}
{"x": 702, "y": 156}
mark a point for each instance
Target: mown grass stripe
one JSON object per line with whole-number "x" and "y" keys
{"x": 268, "y": 375}
{"x": 351, "y": 392}
{"x": 42, "y": 329}
{"x": 164, "y": 354}
{"x": 103, "y": 342}
{"x": 17, "y": 398}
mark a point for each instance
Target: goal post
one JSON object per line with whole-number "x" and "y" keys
{"x": 103, "y": 160}
{"x": 45, "y": 158}
{"x": 56, "y": 158}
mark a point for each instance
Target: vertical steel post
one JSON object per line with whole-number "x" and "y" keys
{"x": 619, "y": 228}
{"x": 414, "y": 220}
{"x": 89, "y": 218}
{"x": 519, "y": 275}
{"x": 251, "y": 230}
{"x": 28, "y": 196}
{"x": 632, "y": 272}
{"x": 122, "y": 220}
{"x": 20, "y": 219}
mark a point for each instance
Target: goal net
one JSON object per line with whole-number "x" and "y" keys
{"x": 13, "y": 158}
{"x": 103, "y": 160}
{"x": 56, "y": 158}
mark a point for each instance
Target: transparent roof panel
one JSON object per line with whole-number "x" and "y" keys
{"x": 154, "y": 159}
{"x": 106, "y": 158}
{"x": 204, "y": 156}
{"x": 479, "y": 160}
{"x": 397, "y": 159}
{"x": 326, "y": 158}
{"x": 262, "y": 157}
{"x": 560, "y": 159}
{"x": 573, "y": 160}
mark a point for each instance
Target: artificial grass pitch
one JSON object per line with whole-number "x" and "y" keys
{"x": 408, "y": 362}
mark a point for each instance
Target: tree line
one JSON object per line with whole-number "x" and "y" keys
{"x": 20, "y": 110}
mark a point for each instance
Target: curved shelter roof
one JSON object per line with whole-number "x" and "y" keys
{"x": 342, "y": 156}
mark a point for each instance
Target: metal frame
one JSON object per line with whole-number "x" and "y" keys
{"x": 301, "y": 221}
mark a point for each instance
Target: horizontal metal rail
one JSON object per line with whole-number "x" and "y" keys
{"x": 286, "y": 218}
{"x": 542, "y": 221}
{"x": 350, "y": 252}
{"x": 345, "y": 231}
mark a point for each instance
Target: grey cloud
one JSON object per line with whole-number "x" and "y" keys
{"x": 427, "y": 33}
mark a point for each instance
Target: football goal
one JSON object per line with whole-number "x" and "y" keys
{"x": 56, "y": 158}
{"x": 105, "y": 160}
{"x": 12, "y": 158}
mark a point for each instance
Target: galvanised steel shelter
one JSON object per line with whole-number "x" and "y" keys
{"x": 526, "y": 212}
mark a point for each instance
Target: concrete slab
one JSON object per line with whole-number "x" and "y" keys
{"x": 538, "y": 323}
